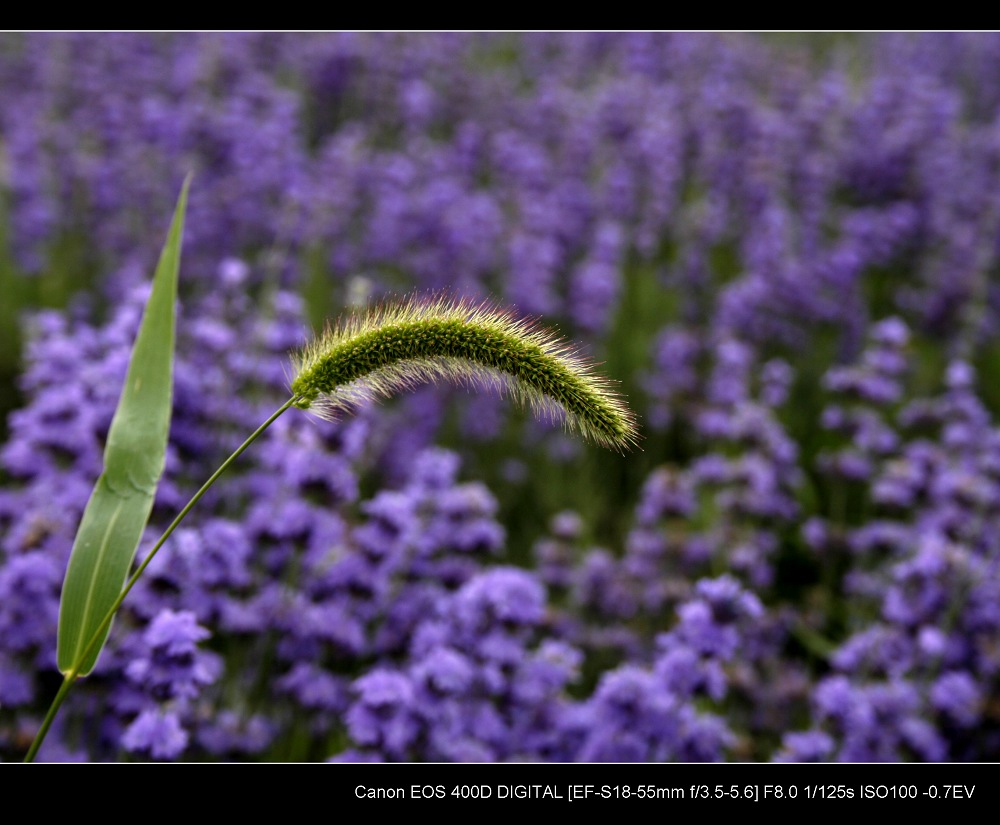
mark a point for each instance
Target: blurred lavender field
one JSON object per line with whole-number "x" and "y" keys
{"x": 787, "y": 254}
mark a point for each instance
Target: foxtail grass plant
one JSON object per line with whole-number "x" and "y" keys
{"x": 398, "y": 344}
{"x": 371, "y": 354}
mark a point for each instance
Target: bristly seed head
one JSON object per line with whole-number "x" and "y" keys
{"x": 395, "y": 345}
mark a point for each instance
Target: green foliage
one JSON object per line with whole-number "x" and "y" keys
{"x": 134, "y": 457}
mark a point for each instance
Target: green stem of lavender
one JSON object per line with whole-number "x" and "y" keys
{"x": 74, "y": 672}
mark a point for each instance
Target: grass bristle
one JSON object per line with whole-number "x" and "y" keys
{"x": 395, "y": 345}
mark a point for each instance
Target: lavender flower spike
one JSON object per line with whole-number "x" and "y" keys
{"x": 395, "y": 345}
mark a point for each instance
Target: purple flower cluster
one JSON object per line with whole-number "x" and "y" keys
{"x": 912, "y": 677}
{"x": 479, "y": 686}
{"x": 170, "y": 671}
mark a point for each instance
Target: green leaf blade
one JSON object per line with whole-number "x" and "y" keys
{"x": 134, "y": 456}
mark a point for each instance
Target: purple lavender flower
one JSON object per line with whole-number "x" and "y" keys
{"x": 157, "y": 735}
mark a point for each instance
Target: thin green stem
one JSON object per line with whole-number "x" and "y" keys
{"x": 49, "y": 717}
{"x": 74, "y": 672}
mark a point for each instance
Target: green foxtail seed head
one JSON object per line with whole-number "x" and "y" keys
{"x": 395, "y": 345}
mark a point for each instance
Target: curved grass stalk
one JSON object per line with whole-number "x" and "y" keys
{"x": 398, "y": 344}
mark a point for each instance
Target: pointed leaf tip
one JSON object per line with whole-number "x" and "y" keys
{"x": 116, "y": 515}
